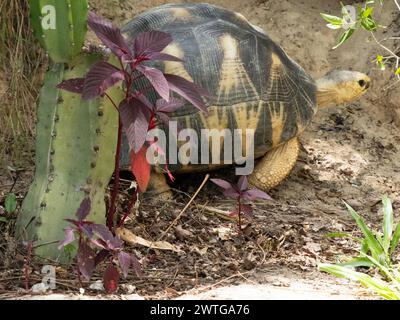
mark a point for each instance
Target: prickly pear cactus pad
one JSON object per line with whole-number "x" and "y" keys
{"x": 60, "y": 26}
{"x": 75, "y": 151}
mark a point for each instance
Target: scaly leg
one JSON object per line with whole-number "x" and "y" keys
{"x": 159, "y": 187}
{"x": 275, "y": 166}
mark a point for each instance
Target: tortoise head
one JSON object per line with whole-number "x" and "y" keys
{"x": 341, "y": 86}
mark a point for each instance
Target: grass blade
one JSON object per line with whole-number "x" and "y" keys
{"x": 357, "y": 262}
{"x": 373, "y": 244}
{"x": 395, "y": 239}
{"x": 387, "y": 223}
{"x": 367, "y": 281}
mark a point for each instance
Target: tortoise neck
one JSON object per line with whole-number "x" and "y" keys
{"x": 326, "y": 92}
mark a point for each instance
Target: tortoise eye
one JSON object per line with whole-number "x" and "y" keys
{"x": 362, "y": 83}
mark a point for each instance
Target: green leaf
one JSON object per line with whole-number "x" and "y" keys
{"x": 10, "y": 203}
{"x": 373, "y": 244}
{"x": 387, "y": 223}
{"x": 395, "y": 239}
{"x": 332, "y": 19}
{"x": 368, "y": 24}
{"x": 357, "y": 262}
{"x": 379, "y": 61}
{"x": 345, "y": 36}
{"x": 367, "y": 12}
{"x": 3, "y": 219}
{"x": 367, "y": 281}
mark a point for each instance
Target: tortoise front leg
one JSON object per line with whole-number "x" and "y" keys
{"x": 159, "y": 187}
{"x": 275, "y": 166}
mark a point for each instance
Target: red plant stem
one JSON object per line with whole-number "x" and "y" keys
{"x": 77, "y": 265}
{"x": 239, "y": 214}
{"x": 129, "y": 210}
{"x": 112, "y": 207}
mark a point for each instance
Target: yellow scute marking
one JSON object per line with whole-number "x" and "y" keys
{"x": 276, "y": 61}
{"x": 277, "y": 123}
{"x": 213, "y": 121}
{"x": 175, "y": 67}
{"x": 180, "y": 13}
{"x": 246, "y": 117}
{"x": 233, "y": 76}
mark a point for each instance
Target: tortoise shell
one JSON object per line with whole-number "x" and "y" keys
{"x": 253, "y": 83}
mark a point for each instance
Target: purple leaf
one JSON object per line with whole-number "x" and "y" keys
{"x": 99, "y": 78}
{"x": 136, "y": 266}
{"x": 168, "y": 106}
{"x": 231, "y": 193}
{"x": 254, "y": 194}
{"x": 163, "y": 118}
{"x": 87, "y": 229}
{"x": 84, "y": 209}
{"x": 109, "y": 241}
{"x": 145, "y": 101}
{"x": 247, "y": 210}
{"x": 69, "y": 238}
{"x": 135, "y": 118}
{"x": 162, "y": 56}
{"x": 222, "y": 183}
{"x": 111, "y": 279}
{"x": 124, "y": 262}
{"x": 188, "y": 90}
{"x": 157, "y": 80}
{"x": 72, "y": 85}
{"x": 85, "y": 260}
{"x": 101, "y": 256}
{"x": 110, "y": 35}
{"x": 149, "y": 42}
{"x": 243, "y": 183}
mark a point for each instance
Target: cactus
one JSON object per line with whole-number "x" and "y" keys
{"x": 60, "y": 26}
{"x": 75, "y": 151}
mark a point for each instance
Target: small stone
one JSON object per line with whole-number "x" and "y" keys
{"x": 97, "y": 286}
{"x": 39, "y": 288}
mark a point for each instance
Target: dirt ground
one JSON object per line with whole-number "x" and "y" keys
{"x": 348, "y": 153}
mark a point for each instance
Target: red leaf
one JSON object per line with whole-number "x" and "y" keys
{"x": 101, "y": 256}
{"x": 84, "y": 209}
{"x": 111, "y": 279}
{"x": 109, "y": 34}
{"x": 157, "y": 80}
{"x": 188, "y": 90}
{"x": 140, "y": 168}
{"x": 124, "y": 260}
{"x": 99, "y": 78}
{"x": 136, "y": 266}
{"x": 254, "y": 194}
{"x": 243, "y": 183}
{"x": 149, "y": 42}
{"x": 72, "y": 85}
{"x": 222, "y": 183}
{"x": 135, "y": 117}
{"x": 247, "y": 210}
{"x": 86, "y": 259}
{"x": 68, "y": 238}
{"x": 168, "y": 106}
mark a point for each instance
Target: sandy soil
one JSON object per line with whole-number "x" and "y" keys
{"x": 348, "y": 153}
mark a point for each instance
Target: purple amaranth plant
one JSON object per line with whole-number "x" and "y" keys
{"x": 240, "y": 191}
{"x": 137, "y": 115}
{"x": 96, "y": 245}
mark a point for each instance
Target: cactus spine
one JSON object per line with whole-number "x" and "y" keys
{"x": 60, "y": 26}
{"x": 76, "y": 142}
